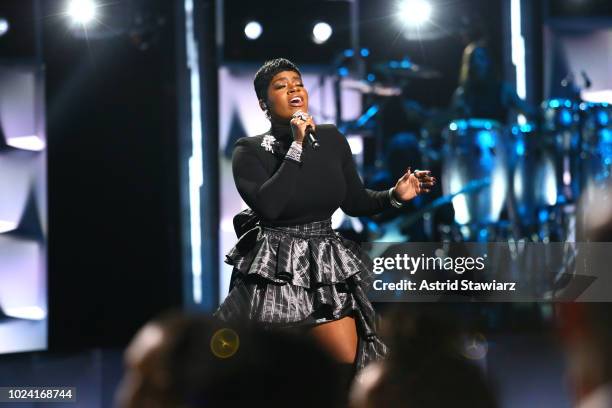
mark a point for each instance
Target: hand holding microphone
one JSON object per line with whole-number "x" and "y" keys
{"x": 302, "y": 126}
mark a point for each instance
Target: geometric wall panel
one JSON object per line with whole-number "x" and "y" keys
{"x": 23, "y": 209}
{"x": 21, "y": 107}
{"x": 23, "y": 288}
{"x": 16, "y": 176}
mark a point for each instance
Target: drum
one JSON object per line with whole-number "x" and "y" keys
{"x": 561, "y": 138}
{"x": 474, "y": 170}
{"x": 533, "y": 176}
{"x": 597, "y": 142}
{"x": 560, "y": 114}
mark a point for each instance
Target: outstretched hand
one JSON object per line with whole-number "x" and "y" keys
{"x": 413, "y": 183}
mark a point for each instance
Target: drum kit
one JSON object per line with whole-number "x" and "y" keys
{"x": 516, "y": 181}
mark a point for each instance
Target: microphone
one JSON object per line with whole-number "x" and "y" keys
{"x": 310, "y": 132}
{"x": 312, "y": 137}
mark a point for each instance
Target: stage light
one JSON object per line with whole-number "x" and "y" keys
{"x": 321, "y": 32}
{"x": 415, "y": 12}
{"x": 82, "y": 11}
{"x": 196, "y": 165}
{"x": 252, "y": 30}
{"x": 518, "y": 48}
{"x": 6, "y": 226}
{"x": 26, "y": 312}
{"x": 4, "y": 26}
{"x": 32, "y": 143}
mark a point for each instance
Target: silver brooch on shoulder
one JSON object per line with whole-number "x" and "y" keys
{"x": 268, "y": 143}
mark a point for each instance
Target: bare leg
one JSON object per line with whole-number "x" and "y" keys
{"x": 339, "y": 338}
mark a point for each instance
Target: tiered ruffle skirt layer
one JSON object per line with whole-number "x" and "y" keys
{"x": 300, "y": 276}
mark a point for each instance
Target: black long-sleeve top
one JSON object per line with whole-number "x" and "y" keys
{"x": 284, "y": 192}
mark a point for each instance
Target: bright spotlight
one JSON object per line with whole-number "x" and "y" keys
{"x": 4, "y": 26}
{"x": 321, "y": 32}
{"x": 252, "y": 30}
{"x": 82, "y": 11}
{"x": 415, "y": 12}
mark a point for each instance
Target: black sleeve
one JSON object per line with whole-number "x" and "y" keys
{"x": 359, "y": 201}
{"x": 266, "y": 195}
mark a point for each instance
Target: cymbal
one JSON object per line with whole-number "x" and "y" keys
{"x": 407, "y": 69}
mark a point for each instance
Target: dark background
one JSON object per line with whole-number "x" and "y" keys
{"x": 113, "y": 181}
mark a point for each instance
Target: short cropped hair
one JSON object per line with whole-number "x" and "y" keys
{"x": 267, "y": 71}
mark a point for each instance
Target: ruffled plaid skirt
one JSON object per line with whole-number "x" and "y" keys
{"x": 299, "y": 276}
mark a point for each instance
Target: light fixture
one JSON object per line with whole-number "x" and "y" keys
{"x": 321, "y": 32}
{"x": 31, "y": 142}
{"x": 4, "y": 26}
{"x": 414, "y": 12}
{"x": 26, "y": 312}
{"x": 253, "y": 30}
{"x": 82, "y": 11}
{"x": 6, "y": 226}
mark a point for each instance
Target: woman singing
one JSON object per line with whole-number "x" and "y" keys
{"x": 291, "y": 270}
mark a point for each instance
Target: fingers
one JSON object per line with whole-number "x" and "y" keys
{"x": 420, "y": 175}
{"x": 427, "y": 184}
{"x": 299, "y": 122}
{"x": 424, "y": 176}
{"x": 303, "y": 119}
{"x": 422, "y": 180}
{"x": 428, "y": 181}
{"x": 296, "y": 122}
{"x": 422, "y": 188}
{"x": 407, "y": 174}
{"x": 309, "y": 122}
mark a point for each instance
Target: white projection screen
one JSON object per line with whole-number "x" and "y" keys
{"x": 23, "y": 209}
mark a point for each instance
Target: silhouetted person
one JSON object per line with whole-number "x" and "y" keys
{"x": 182, "y": 361}
{"x": 481, "y": 94}
{"x": 587, "y": 337}
{"x": 586, "y": 328}
{"x": 427, "y": 368}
